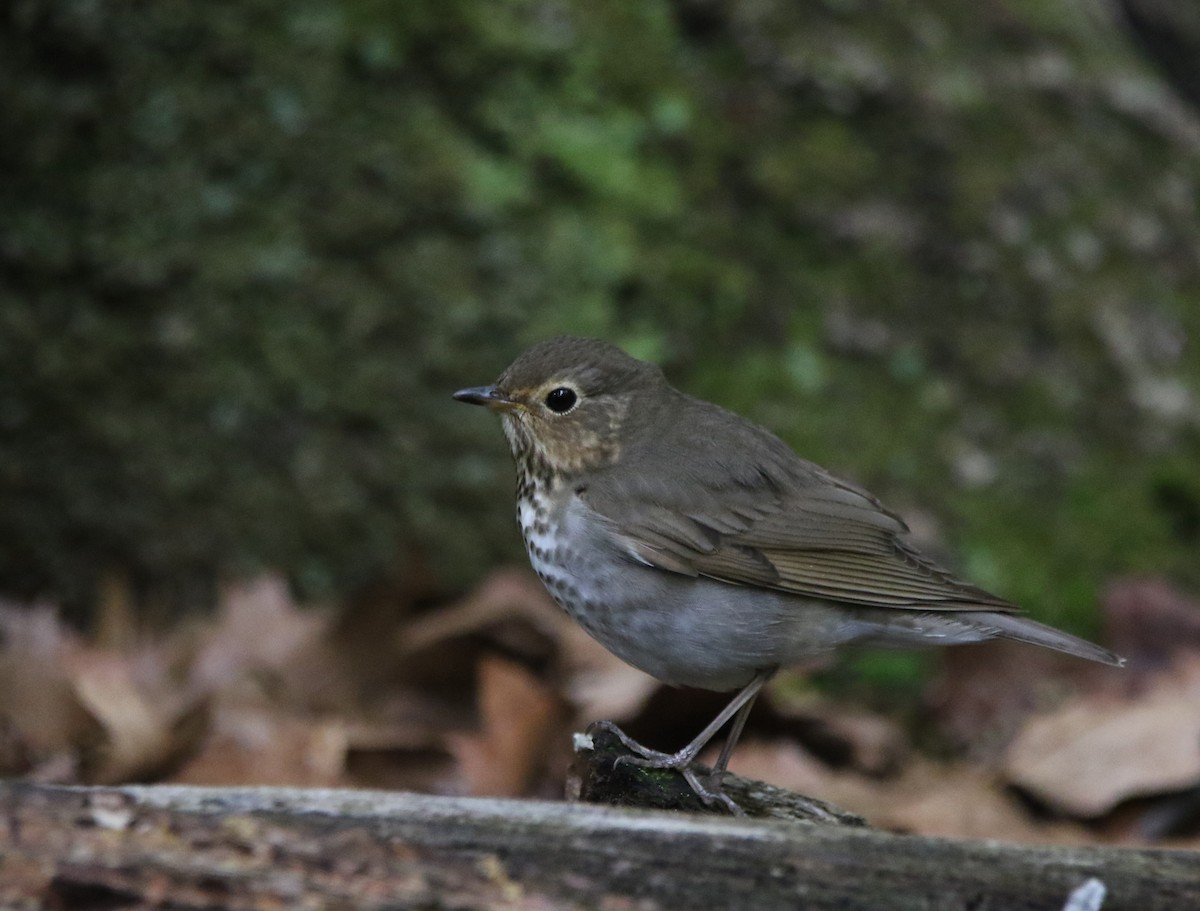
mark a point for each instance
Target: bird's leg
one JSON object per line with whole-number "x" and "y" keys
{"x": 735, "y": 733}
{"x": 738, "y": 709}
{"x": 711, "y": 790}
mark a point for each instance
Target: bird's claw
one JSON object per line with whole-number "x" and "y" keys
{"x": 711, "y": 793}
{"x": 644, "y": 754}
{"x": 646, "y": 758}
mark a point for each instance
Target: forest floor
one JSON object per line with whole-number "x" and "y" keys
{"x": 480, "y": 696}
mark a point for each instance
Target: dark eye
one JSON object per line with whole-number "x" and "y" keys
{"x": 561, "y": 400}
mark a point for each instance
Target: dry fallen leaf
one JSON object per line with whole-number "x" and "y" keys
{"x": 518, "y": 713}
{"x": 844, "y": 736}
{"x": 500, "y": 597}
{"x": 258, "y": 627}
{"x": 964, "y": 800}
{"x": 958, "y": 800}
{"x": 265, "y": 745}
{"x": 598, "y": 683}
{"x": 144, "y": 733}
{"x": 984, "y": 693}
{"x": 42, "y": 716}
{"x": 1089, "y": 756}
{"x": 479, "y": 695}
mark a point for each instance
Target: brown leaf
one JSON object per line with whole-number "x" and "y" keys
{"x": 961, "y": 800}
{"x": 841, "y": 735}
{"x": 144, "y": 733}
{"x": 45, "y": 723}
{"x": 107, "y": 715}
{"x": 1089, "y": 756}
{"x": 596, "y": 681}
{"x": 984, "y": 693}
{"x": 501, "y": 596}
{"x": 518, "y": 714}
{"x": 265, "y": 745}
{"x": 258, "y": 628}
{"x": 929, "y": 798}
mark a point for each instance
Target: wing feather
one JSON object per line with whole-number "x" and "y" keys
{"x": 775, "y": 521}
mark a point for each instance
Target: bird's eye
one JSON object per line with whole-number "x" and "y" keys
{"x": 561, "y": 400}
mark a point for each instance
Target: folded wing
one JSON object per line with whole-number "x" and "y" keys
{"x": 779, "y": 522}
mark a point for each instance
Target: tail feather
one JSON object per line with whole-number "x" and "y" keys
{"x": 1011, "y": 626}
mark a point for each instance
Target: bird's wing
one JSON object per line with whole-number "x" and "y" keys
{"x": 779, "y": 522}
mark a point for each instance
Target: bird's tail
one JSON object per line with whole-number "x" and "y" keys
{"x": 1011, "y": 626}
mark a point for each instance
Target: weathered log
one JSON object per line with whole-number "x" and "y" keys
{"x": 259, "y": 848}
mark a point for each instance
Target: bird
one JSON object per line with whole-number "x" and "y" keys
{"x": 697, "y": 546}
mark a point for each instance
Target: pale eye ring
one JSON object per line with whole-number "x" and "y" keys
{"x": 561, "y": 399}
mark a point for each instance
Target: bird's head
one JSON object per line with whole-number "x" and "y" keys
{"x": 568, "y": 403}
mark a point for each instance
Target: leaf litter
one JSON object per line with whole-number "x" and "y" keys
{"x": 481, "y": 695}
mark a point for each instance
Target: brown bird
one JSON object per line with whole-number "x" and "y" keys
{"x": 698, "y": 547}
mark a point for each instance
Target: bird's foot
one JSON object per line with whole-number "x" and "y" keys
{"x": 682, "y": 762}
{"x": 667, "y": 760}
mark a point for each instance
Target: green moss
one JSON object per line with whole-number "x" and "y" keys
{"x": 249, "y": 249}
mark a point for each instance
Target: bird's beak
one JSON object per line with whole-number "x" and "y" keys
{"x": 493, "y": 397}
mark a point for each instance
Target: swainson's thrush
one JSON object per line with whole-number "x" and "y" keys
{"x": 698, "y": 547}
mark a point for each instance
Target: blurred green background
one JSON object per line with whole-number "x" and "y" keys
{"x": 248, "y": 249}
